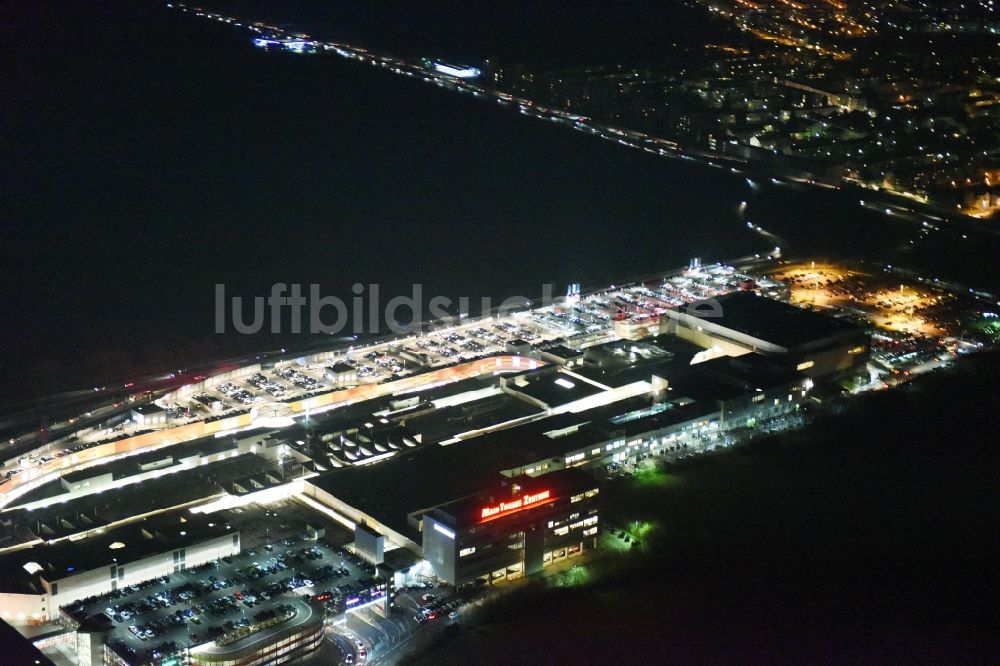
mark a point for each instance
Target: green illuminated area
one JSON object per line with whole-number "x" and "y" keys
{"x": 989, "y": 329}
{"x": 639, "y": 530}
{"x": 653, "y": 476}
{"x": 575, "y": 576}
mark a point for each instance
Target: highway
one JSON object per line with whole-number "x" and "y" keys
{"x": 273, "y": 37}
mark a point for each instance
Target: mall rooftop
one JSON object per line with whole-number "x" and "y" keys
{"x": 21, "y": 569}
{"x": 771, "y": 321}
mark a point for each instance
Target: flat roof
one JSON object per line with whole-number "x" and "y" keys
{"x": 150, "y": 536}
{"x": 551, "y": 387}
{"x": 124, "y": 467}
{"x": 749, "y": 372}
{"x": 560, "y": 350}
{"x": 399, "y": 559}
{"x": 416, "y": 479}
{"x": 391, "y": 490}
{"x": 429, "y": 476}
{"x": 623, "y": 362}
{"x": 86, "y": 512}
{"x": 130, "y": 465}
{"x": 446, "y": 422}
{"x": 561, "y": 483}
{"x": 702, "y": 387}
{"x": 362, "y": 527}
{"x": 149, "y": 408}
{"x": 673, "y": 413}
{"x": 770, "y": 320}
{"x": 450, "y": 389}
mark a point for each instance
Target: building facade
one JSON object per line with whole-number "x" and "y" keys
{"x": 515, "y": 530}
{"x": 290, "y": 642}
{"x": 47, "y": 577}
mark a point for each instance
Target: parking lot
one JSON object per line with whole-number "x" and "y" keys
{"x": 165, "y": 615}
{"x": 420, "y": 613}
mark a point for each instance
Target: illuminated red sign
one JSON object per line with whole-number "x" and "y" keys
{"x": 526, "y": 501}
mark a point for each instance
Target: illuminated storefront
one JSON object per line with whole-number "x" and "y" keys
{"x": 514, "y": 530}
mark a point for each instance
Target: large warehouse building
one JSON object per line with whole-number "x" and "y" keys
{"x": 738, "y": 323}
{"x": 35, "y": 582}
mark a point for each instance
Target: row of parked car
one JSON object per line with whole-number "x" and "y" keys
{"x": 435, "y": 607}
{"x": 216, "y": 631}
{"x": 164, "y": 599}
{"x": 300, "y": 380}
{"x": 160, "y": 626}
{"x": 131, "y": 655}
{"x": 262, "y": 383}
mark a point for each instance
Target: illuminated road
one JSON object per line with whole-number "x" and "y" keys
{"x": 462, "y": 80}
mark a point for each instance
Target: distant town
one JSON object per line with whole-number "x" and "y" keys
{"x": 840, "y": 90}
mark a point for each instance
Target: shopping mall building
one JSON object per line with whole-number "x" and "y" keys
{"x": 514, "y": 529}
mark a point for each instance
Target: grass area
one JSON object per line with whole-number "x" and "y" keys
{"x": 575, "y": 576}
{"x": 870, "y": 537}
{"x": 651, "y": 475}
{"x": 989, "y": 329}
